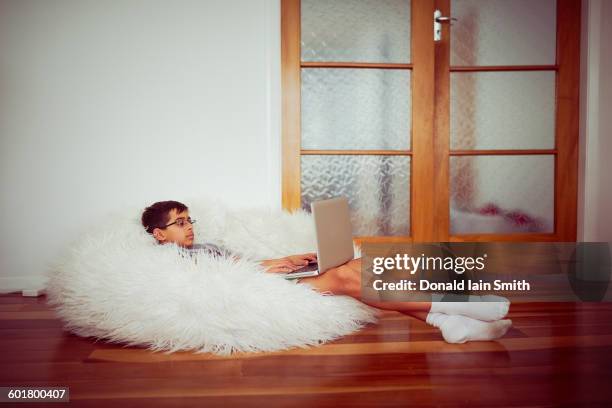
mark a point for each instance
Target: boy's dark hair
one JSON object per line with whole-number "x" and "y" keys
{"x": 157, "y": 215}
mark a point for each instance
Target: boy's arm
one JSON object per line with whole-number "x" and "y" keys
{"x": 286, "y": 264}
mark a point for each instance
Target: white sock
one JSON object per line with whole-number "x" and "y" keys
{"x": 459, "y": 329}
{"x": 487, "y": 308}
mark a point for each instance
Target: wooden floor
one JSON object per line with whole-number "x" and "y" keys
{"x": 556, "y": 355}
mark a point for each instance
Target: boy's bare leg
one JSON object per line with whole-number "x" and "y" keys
{"x": 346, "y": 280}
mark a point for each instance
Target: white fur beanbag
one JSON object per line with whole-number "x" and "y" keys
{"x": 116, "y": 283}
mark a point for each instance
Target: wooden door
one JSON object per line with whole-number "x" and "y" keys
{"x": 473, "y": 137}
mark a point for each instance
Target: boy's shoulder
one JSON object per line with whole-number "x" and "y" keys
{"x": 204, "y": 245}
{"x": 207, "y": 247}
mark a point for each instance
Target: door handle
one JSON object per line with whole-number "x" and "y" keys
{"x": 445, "y": 19}
{"x": 438, "y": 20}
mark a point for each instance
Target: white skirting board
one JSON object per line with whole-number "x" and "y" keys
{"x": 28, "y": 285}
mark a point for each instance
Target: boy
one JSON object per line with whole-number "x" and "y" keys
{"x": 169, "y": 222}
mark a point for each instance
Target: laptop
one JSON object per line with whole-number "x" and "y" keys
{"x": 334, "y": 237}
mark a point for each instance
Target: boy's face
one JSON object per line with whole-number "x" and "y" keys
{"x": 182, "y": 236}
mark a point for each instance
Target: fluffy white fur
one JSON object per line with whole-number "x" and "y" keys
{"x": 116, "y": 283}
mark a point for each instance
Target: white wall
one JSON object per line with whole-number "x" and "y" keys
{"x": 108, "y": 104}
{"x": 112, "y": 103}
{"x": 595, "y": 194}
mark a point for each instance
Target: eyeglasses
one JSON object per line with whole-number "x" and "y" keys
{"x": 181, "y": 222}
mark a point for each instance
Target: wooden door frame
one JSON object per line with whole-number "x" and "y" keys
{"x": 430, "y": 82}
{"x": 291, "y": 103}
{"x": 423, "y": 197}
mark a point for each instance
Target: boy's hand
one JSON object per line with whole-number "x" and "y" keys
{"x": 303, "y": 259}
{"x": 288, "y": 263}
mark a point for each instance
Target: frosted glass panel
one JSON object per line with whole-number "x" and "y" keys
{"x": 503, "y": 110}
{"x": 503, "y": 32}
{"x": 377, "y": 187}
{"x": 356, "y": 30}
{"x": 355, "y": 108}
{"x": 502, "y": 194}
